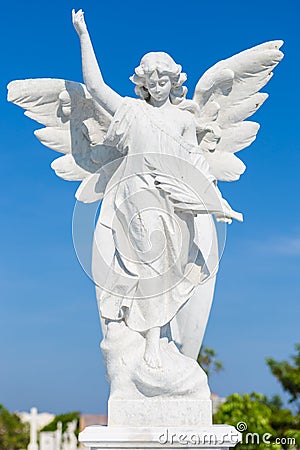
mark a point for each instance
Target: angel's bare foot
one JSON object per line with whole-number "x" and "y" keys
{"x": 152, "y": 358}
{"x": 152, "y": 349}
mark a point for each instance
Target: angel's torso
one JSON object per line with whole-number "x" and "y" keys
{"x": 140, "y": 130}
{"x": 176, "y": 120}
{"x": 144, "y": 133}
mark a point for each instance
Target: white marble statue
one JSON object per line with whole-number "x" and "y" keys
{"x": 154, "y": 161}
{"x": 58, "y": 435}
{"x": 33, "y": 444}
{"x": 69, "y": 436}
{"x": 48, "y": 441}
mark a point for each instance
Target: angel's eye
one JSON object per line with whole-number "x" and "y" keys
{"x": 162, "y": 83}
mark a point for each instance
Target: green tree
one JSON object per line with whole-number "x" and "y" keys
{"x": 13, "y": 433}
{"x": 207, "y": 360}
{"x": 261, "y": 415}
{"x": 64, "y": 419}
{"x": 253, "y": 411}
{"x": 288, "y": 374}
{"x": 284, "y": 422}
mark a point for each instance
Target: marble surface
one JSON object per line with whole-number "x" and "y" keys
{"x": 159, "y": 412}
{"x": 155, "y": 162}
{"x": 212, "y": 437}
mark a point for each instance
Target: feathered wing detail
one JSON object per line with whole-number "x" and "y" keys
{"x": 188, "y": 188}
{"x": 75, "y": 125}
{"x": 227, "y": 94}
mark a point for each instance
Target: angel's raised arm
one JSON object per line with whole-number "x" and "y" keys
{"x": 99, "y": 90}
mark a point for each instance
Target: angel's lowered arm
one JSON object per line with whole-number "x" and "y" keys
{"x": 92, "y": 76}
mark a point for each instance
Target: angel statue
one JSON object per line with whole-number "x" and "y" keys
{"x": 154, "y": 161}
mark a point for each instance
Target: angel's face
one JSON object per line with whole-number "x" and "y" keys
{"x": 159, "y": 86}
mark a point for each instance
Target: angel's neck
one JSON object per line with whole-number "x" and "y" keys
{"x": 159, "y": 104}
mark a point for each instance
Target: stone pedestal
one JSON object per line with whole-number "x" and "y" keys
{"x": 155, "y": 412}
{"x": 215, "y": 437}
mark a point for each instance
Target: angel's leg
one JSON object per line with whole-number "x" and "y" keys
{"x": 152, "y": 348}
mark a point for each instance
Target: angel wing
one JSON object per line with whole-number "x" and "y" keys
{"x": 188, "y": 187}
{"x": 227, "y": 94}
{"x": 75, "y": 125}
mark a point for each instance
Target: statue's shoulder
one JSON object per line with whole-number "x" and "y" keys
{"x": 134, "y": 101}
{"x": 126, "y": 106}
{"x": 135, "y": 106}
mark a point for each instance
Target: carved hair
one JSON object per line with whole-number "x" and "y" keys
{"x": 164, "y": 65}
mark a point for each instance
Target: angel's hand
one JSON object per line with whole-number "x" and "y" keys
{"x": 78, "y": 22}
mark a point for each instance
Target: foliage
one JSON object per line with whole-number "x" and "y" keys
{"x": 288, "y": 374}
{"x": 252, "y": 410}
{"x": 207, "y": 360}
{"x": 285, "y": 424}
{"x": 64, "y": 419}
{"x": 13, "y": 433}
{"x": 261, "y": 415}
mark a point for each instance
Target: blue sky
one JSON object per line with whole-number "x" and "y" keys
{"x": 49, "y": 327}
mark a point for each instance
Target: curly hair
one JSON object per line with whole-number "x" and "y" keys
{"x": 164, "y": 65}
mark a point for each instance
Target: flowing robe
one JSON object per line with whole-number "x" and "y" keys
{"x": 156, "y": 264}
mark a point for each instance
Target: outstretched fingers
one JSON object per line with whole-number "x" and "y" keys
{"x": 78, "y": 21}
